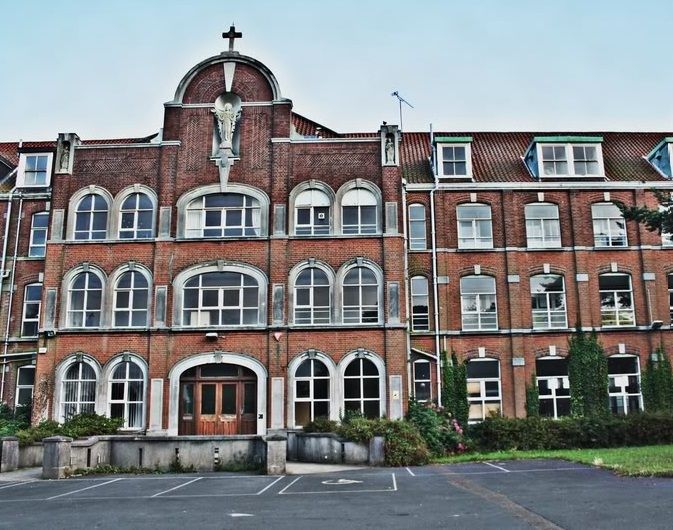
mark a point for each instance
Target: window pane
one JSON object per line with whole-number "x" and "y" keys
{"x": 207, "y": 399}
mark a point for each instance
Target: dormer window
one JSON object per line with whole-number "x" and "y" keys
{"x": 454, "y": 157}
{"x": 660, "y": 157}
{"x": 565, "y": 156}
{"x": 34, "y": 170}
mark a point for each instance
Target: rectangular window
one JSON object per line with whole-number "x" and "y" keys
{"x": 553, "y": 387}
{"x": 32, "y": 301}
{"x": 474, "y": 226}
{"x": 543, "y": 229}
{"x": 417, "y": 240}
{"x": 616, "y": 300}
{"x": 483, "y": 388}
{"x": 609, "y": 225}
{"x": 34, "y": 170}
{"x": 569, "y": 159}
{"x": 25, "y": 380}
{"x": 422, "y": 381}
{"x": 548, "y": 301}
{"x": 420, "y": 314}
{"x": 478, "y": 303}
{"x": 38, "y": 235}
{"x": 624, "y": 384}
{"x": 454, "y": 160}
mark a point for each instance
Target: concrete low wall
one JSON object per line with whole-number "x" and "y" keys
{"x": 329, "y": 448}
{"x": 31, "y": 455}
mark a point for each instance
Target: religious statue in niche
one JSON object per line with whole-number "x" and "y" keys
{"x": 65, "y": 157}
{"x": 390, "y": 149}
{"x": 226, "y": 137}
{"x": 227, "y": 118}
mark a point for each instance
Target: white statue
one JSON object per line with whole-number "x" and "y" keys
{"x": 390, "y": 151}
{"x": 226, "y": 123}
{"x": 65, "y": 158}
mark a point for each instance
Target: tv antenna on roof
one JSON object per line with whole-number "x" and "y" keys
{"x": 401, "y": 100}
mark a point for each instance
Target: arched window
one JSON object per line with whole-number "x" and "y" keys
{"x": 362, "y": 389}
{"x": 553, "y": 386}
{"x": 85, "y": 298}
{"x": 478, "y": 303}
{"x": 221, "y": 299}
{"x": 136, "y": 217}
{"x": 420, "y": 313}
{"x": 417, "y": 238}
{"x": 79, "y": 390}
{"x": 131, "y": 296}
{"x": 359, "y": 212}
{"x": 624, "y": 384}
{"x": 223, "y": 215}
{"x": 483, "y": 388}
{"x": 312, "y": 297}
{"x": 91, "y": 218}
{"x": 616, "y": 300}
{"x": 126, "y": 394}
{"x": 312, "y": 392}
{"x": 312, "y": 213}
{"x": 360, "y": 296}
{"x": 548, "y": 300}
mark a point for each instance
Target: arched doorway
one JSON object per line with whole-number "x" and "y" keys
{"x": 218, "y": 399}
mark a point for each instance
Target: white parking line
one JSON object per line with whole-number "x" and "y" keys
{"x": 176, "y": 487}
{"x": 497, "y": 467}
{"x": 411, "y": 472}
{"x": 285, "y": 491}
{"x": 394, "y": 482}
{"x": 84, "y": 489}
{"x": 267, "y": 487}
{"x": 16, "y": 484}
{"x": 281, "y": 492}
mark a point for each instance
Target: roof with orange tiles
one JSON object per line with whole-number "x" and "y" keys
{"x": 498, "y": 156}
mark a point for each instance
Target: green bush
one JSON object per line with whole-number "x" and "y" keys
{"x": 321, "y": 424}
{"x": 499, "y": 434}
{"x": 78, "y": 426}
{"x": 12, "y": 421}
{"x": 657, "y": 383}
{"x": 442, "y": 434}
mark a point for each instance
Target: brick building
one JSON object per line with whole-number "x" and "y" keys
{"x": 247, "y": 268}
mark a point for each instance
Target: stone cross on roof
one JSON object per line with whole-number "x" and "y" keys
{"x": 232, "y": 34}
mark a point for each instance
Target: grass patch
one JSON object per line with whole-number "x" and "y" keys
{"x": 645, "y": 461}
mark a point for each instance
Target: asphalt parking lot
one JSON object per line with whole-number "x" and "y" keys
{"x": 546, "y": 494}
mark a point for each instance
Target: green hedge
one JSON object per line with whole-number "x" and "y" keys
{"x": 78, "y": 426}
{"x": 496, "y": 434}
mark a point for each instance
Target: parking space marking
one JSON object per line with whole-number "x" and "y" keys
{"x": 411, "y": 472}
{"x": 176, "y": 487}
{"x": 84, "y": 489}
{"x": 285, "y": 491}
{"x": 267, "y": 487}
{"x": 15, "y": 484}
{"x": 440, "y": 473}
{"x": 497, "y": 467}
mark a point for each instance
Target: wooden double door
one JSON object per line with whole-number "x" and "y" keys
{"x": 218, "y": 399}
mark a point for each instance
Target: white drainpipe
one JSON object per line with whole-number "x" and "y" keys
{"x": 435, "y": 289}
{"x": 407, "y": 284}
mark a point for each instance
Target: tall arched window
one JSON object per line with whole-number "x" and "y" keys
{"x": 85, "y": 298}
{"x": 126, "y": 394}
{"x": 79, "y": 390}
{"x": 312, "y": 297}
{"x": 360, "y": 296}
{"x": 136, "y": 217}
{"x": 548, "y": 301}
{"x": 220, "y": 299}
{"x": 312, "y": 213}
{"x": 312, "y": 392}
{"x": 91, "y": 218}
{"x": 223, "y": 215}
{"x": 362, "y": 389}
{"x": 478, "y": 303}
{"x": 130, "y": 300}
{"x": 359, "y": 212}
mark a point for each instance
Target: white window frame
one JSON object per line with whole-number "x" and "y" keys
{"x": 541, "y": 223}
{"x": 621, "y": 382}
{"x": 313, "y": 228}
{"x": 136, "y": 211}
{"x": 416, "y": 220}
{"x": 364, "y": 199}
{"x": 78, "y": 382}
{"x": 417, "y": 380}
{"x": 440, "y": 159}
{"x": 126, "y": 385}
{"x": 70, "y": 311}
{"x": 311, "y": 399}
{"x": 615, "y": 310}
{"x": 482, "y": 400}
{"x": 24, "y": 319}
{"x": 311, "y": 307}
{"x": 38, "y": 250}
{"x": 361, "y": 308}
{"x": 468, "y": 236}
{"x": 603, "y": 232}
{"x": 361, "y": 378}
{"x": 548, "y": 312}
{"x": 20, "y": 387}
{"x": 89, "y": 232}
{"x": 570, "y": 159}
{"x": 21, "y": 173}
{"x": 669, "y": 279}
{"x": 133, "y": 293}
{"x": 196, "y": 214}
{"x": 553, "y": 383}
{"x": 481, "y": 315}
{"x": 420, "y": 321}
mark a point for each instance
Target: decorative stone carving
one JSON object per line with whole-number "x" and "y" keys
{"x": 227, "y": 118}
{"x": 65, "y": 151}
{"x": 390, "y": 139}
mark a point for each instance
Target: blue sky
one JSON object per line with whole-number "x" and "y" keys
{"x": 104, "y": 69}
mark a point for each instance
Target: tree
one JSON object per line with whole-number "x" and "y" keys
{"x": 658, "y": 220}
{"x": 588, "y": 375}
{"x": 657, "y": 382}
{"x": 532, "y": 399}
{"x": 454, "y": 388}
